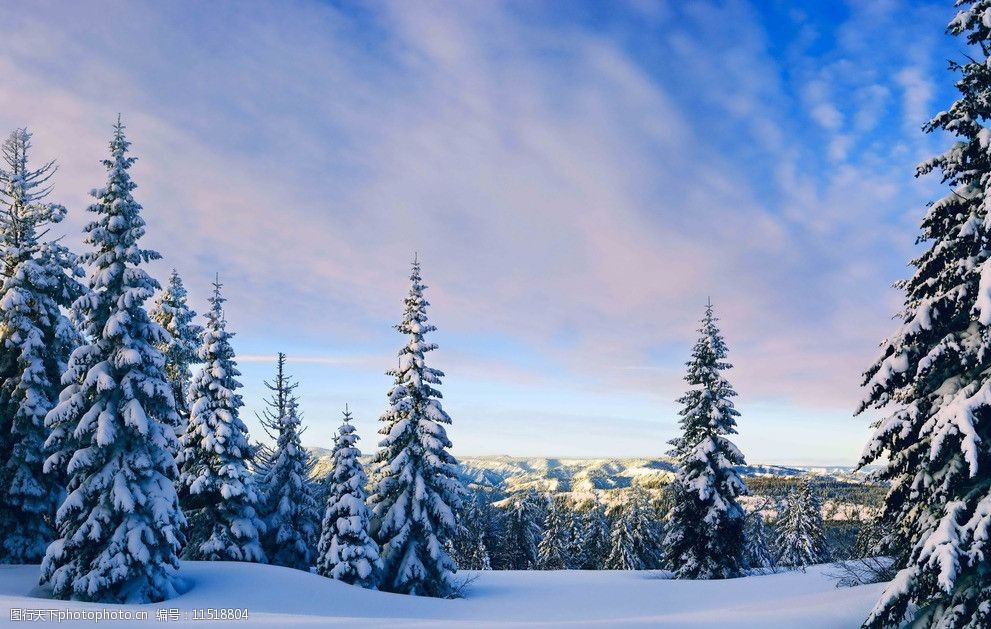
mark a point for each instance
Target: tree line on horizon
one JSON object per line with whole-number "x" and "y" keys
{"x": 530, "y": 530}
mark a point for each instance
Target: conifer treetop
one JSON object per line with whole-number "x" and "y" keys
{"x": 23, "y": 191}
{"x": 277, "y": 407}
{"x": 707, "y": 408}
{"x": 213, "y": 392}
{"x": 172, "y": 312}
{"x": 115, "y": 234}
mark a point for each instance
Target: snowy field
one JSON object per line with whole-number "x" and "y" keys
{"x": 281, "y": 597}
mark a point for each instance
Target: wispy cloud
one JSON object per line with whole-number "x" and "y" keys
{"x": 312, "y": 360}
{"x": 576, "y": 187}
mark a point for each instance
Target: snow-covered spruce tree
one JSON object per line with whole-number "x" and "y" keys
{"x": 636, "y": 538}
{"x": 470, "y": 549}
{"x": 933, "y": 373}
{"x": 596, "y": 541}
{"x": 346, "y": 550}
{"x": 492, "y": 534}
{"x": 705, "y": 534}
{"x": 173, "y": 313}
{"x": 552, "y": 551}
{"x": 38, "y": 279}
{"x": 480, "y": 558}
{"x": 800, "y": 540}
{"x": 216, "y": 486}
{"x": 757, "y": 554}
{"x": 417, "y": 488}
{"x": 576, "y": 548}
{"x": 493, "y": 527}
{"x": 524, "y": 530}
{"x": 119, "y": 530}
{"x": 290, "y": 509}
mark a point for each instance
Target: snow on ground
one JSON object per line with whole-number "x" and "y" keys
{"x": 281, "y": 597}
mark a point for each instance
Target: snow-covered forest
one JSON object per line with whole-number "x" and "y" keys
{"x": 131, "y": 484}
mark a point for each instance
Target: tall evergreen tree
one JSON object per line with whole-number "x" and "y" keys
{"x": 524, "y": 530}
{"x": 216, "y": 485}
{"x": 636, "y": 539}
{"x": 800, "y": 540}
{"x": 290, "y": 509}
{"x": 935, "y": 444}
{"x": 38, "y": 279}
{"x": 119, "y": 530}
{"x": 552, "y": 551}
{"x": 417, "y": 488}
{"x": 172, "y": 312}
{"x": 705, "y": 536}
{"x": 346, "y": 550}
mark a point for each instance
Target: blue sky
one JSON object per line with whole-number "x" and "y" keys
{"x": 577, "y": 177}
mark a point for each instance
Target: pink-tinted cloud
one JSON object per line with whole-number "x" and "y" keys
{"x": 575, "y": 198}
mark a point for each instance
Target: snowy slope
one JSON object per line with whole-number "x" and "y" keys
{"x": 281, "y": 597}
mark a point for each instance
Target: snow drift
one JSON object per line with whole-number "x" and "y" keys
{"x": 282, "y": 597}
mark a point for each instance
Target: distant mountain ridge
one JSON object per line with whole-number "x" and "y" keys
{"x": 560, "y": 474}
